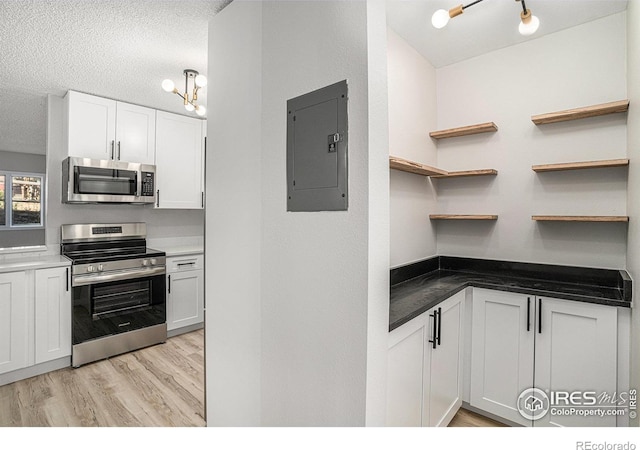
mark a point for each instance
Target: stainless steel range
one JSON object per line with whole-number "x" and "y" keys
{"x": 118, "y": 290}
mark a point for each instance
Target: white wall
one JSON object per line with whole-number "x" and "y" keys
{"x": 580, "y": 66}
{"x": 186, "y": 226}
{"x": 233, "y": 220}
{"x": 633, "y": 136}
{"x": 412, "y": 114}
{"x": 379, "y": 210}
{"x": 315, "y": 293}
{"x": 321, "y": 285}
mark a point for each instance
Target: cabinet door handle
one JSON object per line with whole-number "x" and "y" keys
{"x": 169, "y": 278}
{"x": 203, "y": 199}
{"x": 528, "y": 313}
{"x": 435, "y": 325}
{"x": 439, "y": 324}
{"x": 67, "y": 272}
{"x": 113, "y": 143}
{"x": 192, "y": 263}
{"x": 539, "y": 316}
{"x": 118, "y": 150}
{"x": 158, "y": 198}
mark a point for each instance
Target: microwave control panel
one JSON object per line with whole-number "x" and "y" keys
{"x": 147, "y": 184}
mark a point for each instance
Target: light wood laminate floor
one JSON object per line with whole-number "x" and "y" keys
{"x": 162, "y": 385}
{"x": 466, "y": 418}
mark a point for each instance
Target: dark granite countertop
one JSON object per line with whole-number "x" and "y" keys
{"x": 418, "y": 287}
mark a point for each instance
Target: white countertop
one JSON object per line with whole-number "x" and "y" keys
{"x": 32, "y": 262}
{"x": 181, "y": 250}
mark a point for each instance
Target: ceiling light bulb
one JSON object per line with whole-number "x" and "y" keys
{"x": 201, "y": 81}
{"x": 201, "y": 110}
{"x": 168, "y": 85}
{"x": 440, "y": 18}
{"x": 528, "y": 23}
{"x": 189, "y": 107}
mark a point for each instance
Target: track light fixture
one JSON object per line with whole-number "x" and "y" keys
{"x": 198, "y": 81}
{"x": 528, "y": 23}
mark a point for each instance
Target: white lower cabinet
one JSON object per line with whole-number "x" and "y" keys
{"x": 35, "y": 317}
{"x": 52, "y": 314}
{"x": 502, "y": 340}
{"x": 185, "y": 291}
{"x": 443, "y": 365}
{"x": 14, "y": 322}
{"x": 424, "y": 378}
{"x": 576, "y": 353}
{"x": 522, "y": 341}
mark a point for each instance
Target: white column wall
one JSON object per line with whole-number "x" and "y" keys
{"x": 233, "y": 217}
{"x": 297, "y": 303}
{"x": 314, "y": 264}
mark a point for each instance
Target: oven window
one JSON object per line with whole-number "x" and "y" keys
{"x": 95, "y": 180}
{"x": 121, "y": 297}
{"x": 106, "y": 309}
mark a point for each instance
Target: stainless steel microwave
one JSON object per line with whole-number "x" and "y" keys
{"x": 87, "y": 180}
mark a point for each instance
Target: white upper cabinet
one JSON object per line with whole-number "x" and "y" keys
{"x": 100, "y": 128}
{"x": 179, "y": 161}
{"x": 135, "y": 133}
{"x": 91, "y": 126}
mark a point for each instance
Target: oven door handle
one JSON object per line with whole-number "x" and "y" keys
{"x": 117, "y": 275}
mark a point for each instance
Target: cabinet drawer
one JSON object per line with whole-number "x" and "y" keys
{"x": 183, "y": 263}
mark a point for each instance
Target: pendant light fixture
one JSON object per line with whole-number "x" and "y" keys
{"x": 441, "y": 17}
{"x": 197, "y": 81}
{"x": 528, "y": 22}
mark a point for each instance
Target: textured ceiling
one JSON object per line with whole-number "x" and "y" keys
{"x": 113, "y": 48}
{"x": 123, "y": 49}
{"x": 486, "y": 26}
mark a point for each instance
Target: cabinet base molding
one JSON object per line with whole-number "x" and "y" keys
{"x": 183, "y": 330}
{"x": 488, "y": 415}
{"x": 32, "y": 371}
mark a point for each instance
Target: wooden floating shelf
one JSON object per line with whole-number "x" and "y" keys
{"x": 467, "y": 173}
{"x": 463, "y": 217}
{"x": 581, "y": 218}
{"x": 414, "y": 167}
{"x": 464, "y": 131}
{"x": 582, "y": 113}
{"x": 581, "y": 165}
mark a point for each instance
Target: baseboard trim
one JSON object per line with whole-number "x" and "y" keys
{"x": 32, "y": 371}
{"x": 186, "y": 329}
{"x": 488, "y": 415}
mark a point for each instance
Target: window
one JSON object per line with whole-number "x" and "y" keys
{"x": 3, "y": 218}
{"x": 21, "y": 200}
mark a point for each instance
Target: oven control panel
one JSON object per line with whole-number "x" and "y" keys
{"x": 119, "y": 266}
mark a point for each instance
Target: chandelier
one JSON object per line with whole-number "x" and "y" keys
{"x": 197, "y": 81}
